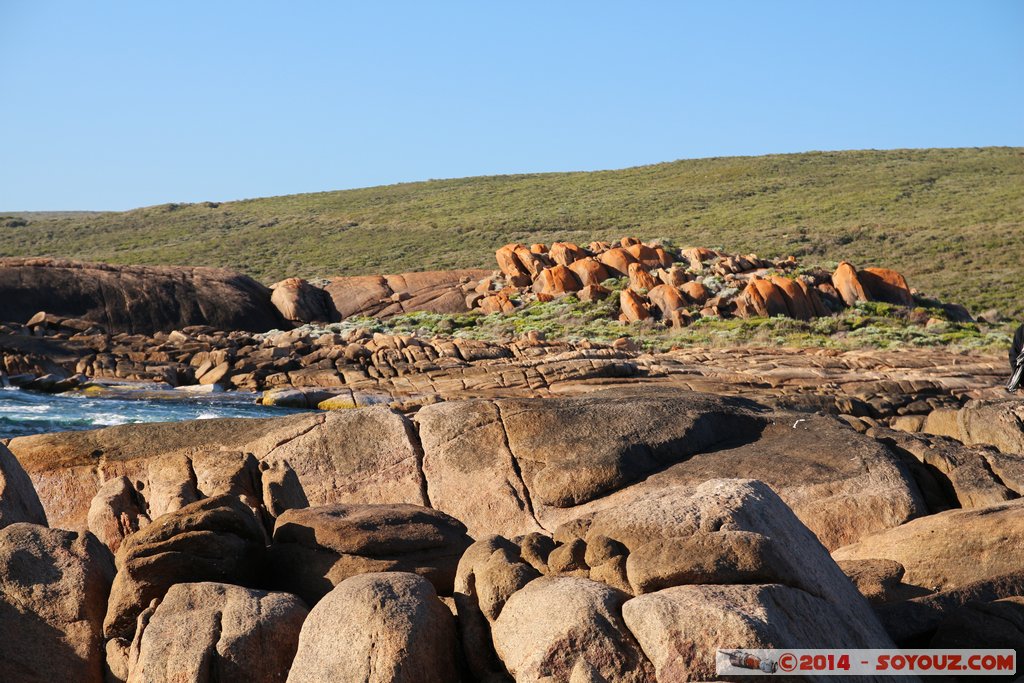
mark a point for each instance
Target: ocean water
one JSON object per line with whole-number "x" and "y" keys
{"x": 24, "y": 412}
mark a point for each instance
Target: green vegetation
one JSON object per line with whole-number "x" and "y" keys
{"x": 868, "y": 325}
{"x": 952, "y": 220}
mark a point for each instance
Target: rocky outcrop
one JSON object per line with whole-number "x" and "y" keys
{"x": 378, "y": 628}
{"x": 217, "y": 539}
{"x": 315, "y": 549}
{"x": 134, "y": 299}
{"x": 650, "y": 589}
{"x": 714, "y": 285}
{"x": 18, "y": 499}
{"x": 204, "y": 632}
{"x": 53, "y": 594}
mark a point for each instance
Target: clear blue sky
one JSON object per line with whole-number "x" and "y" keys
{"x": 113, "y": 105}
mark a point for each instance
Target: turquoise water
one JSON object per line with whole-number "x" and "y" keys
{"x": 25, "y": 412}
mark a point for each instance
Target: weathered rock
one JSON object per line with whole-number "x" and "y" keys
{"x": 633, "y": 307}
{"x": 218, "y": 632}
{"x": 877, "y": 580}
{"x": 715, "y": 557}
{"x": 797, "y": 301}
{"x": 556, "y": 280}
{"x": 996, "y": 624}
{"x": 949, "y": 549}
{"x": 315, "y": 549}
{"x": 590, "y": 271}
{"x": 848, "y": 284}
{"x": 567, "y": 628}
{"x": 362, "y": 455}
{"x": 695, "y": 292}
{"x": 300, "y": 302}
{"x": 116, "y": 512}
{"x": 640, "y": 279}
{"x": 508, "y": 263}
{"x": 594, "y": 293}
{"x": 916, "y": 620}
{"x": 978, "y": 476}
{"x": 680, "y": 628}
{"x": 666, "y": 299}
{"x": 617, "y": 261}
{"x": 489, "y": 572}
{"x": 216, "y": 539}
{"x": 393, "y": 627}
{"x": 496, "y": 465}
{"x": 18, "y": 499}
{"x": 365, "y": 455}
{"x": 882, "y": 284}
{"x": 431, "y": 291}
{"x": 566, "y": 253}
{"x": 997, "y": 423}
{"x": 53, "y": 593}
{"x": 135, "y": 299}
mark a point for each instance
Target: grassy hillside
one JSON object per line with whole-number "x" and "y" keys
{"x": 951, "y": 219}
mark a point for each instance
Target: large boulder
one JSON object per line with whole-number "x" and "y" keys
{"x": 950, "y": 549}
{"x": 135, "y": 299}
{"x": 495, "y": 465}
{"x": 378, "y": 628}
{"x": 53, "y": 593}
{"x": 315, "y": 549}
{"x": 216, "y": 539}
{"x": 203, "y": 632}
{"x": 514, "y": 466}
{"x": 18, "y": 499}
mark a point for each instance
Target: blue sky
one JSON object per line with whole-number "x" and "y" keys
{"x": 113, "y": 105}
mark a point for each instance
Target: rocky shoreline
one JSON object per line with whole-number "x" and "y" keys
{"x": 624, "y": 534}
{"x": 525, "y": 510}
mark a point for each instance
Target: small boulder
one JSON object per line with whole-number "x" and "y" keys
{"x": 378, "y": 628}
{"x": 204, "y": 632}
{"x": 568, "y": 628}
{"x": 633, "y": 306}
{"x": 617, "y": 260}
{"x": 949, "y": 549}
{"x": 556, "y": 280}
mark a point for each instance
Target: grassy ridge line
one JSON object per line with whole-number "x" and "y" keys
{"x": 951, "y": 219}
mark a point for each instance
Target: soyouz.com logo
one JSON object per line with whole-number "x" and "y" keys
{"x": 757, "y": 662}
